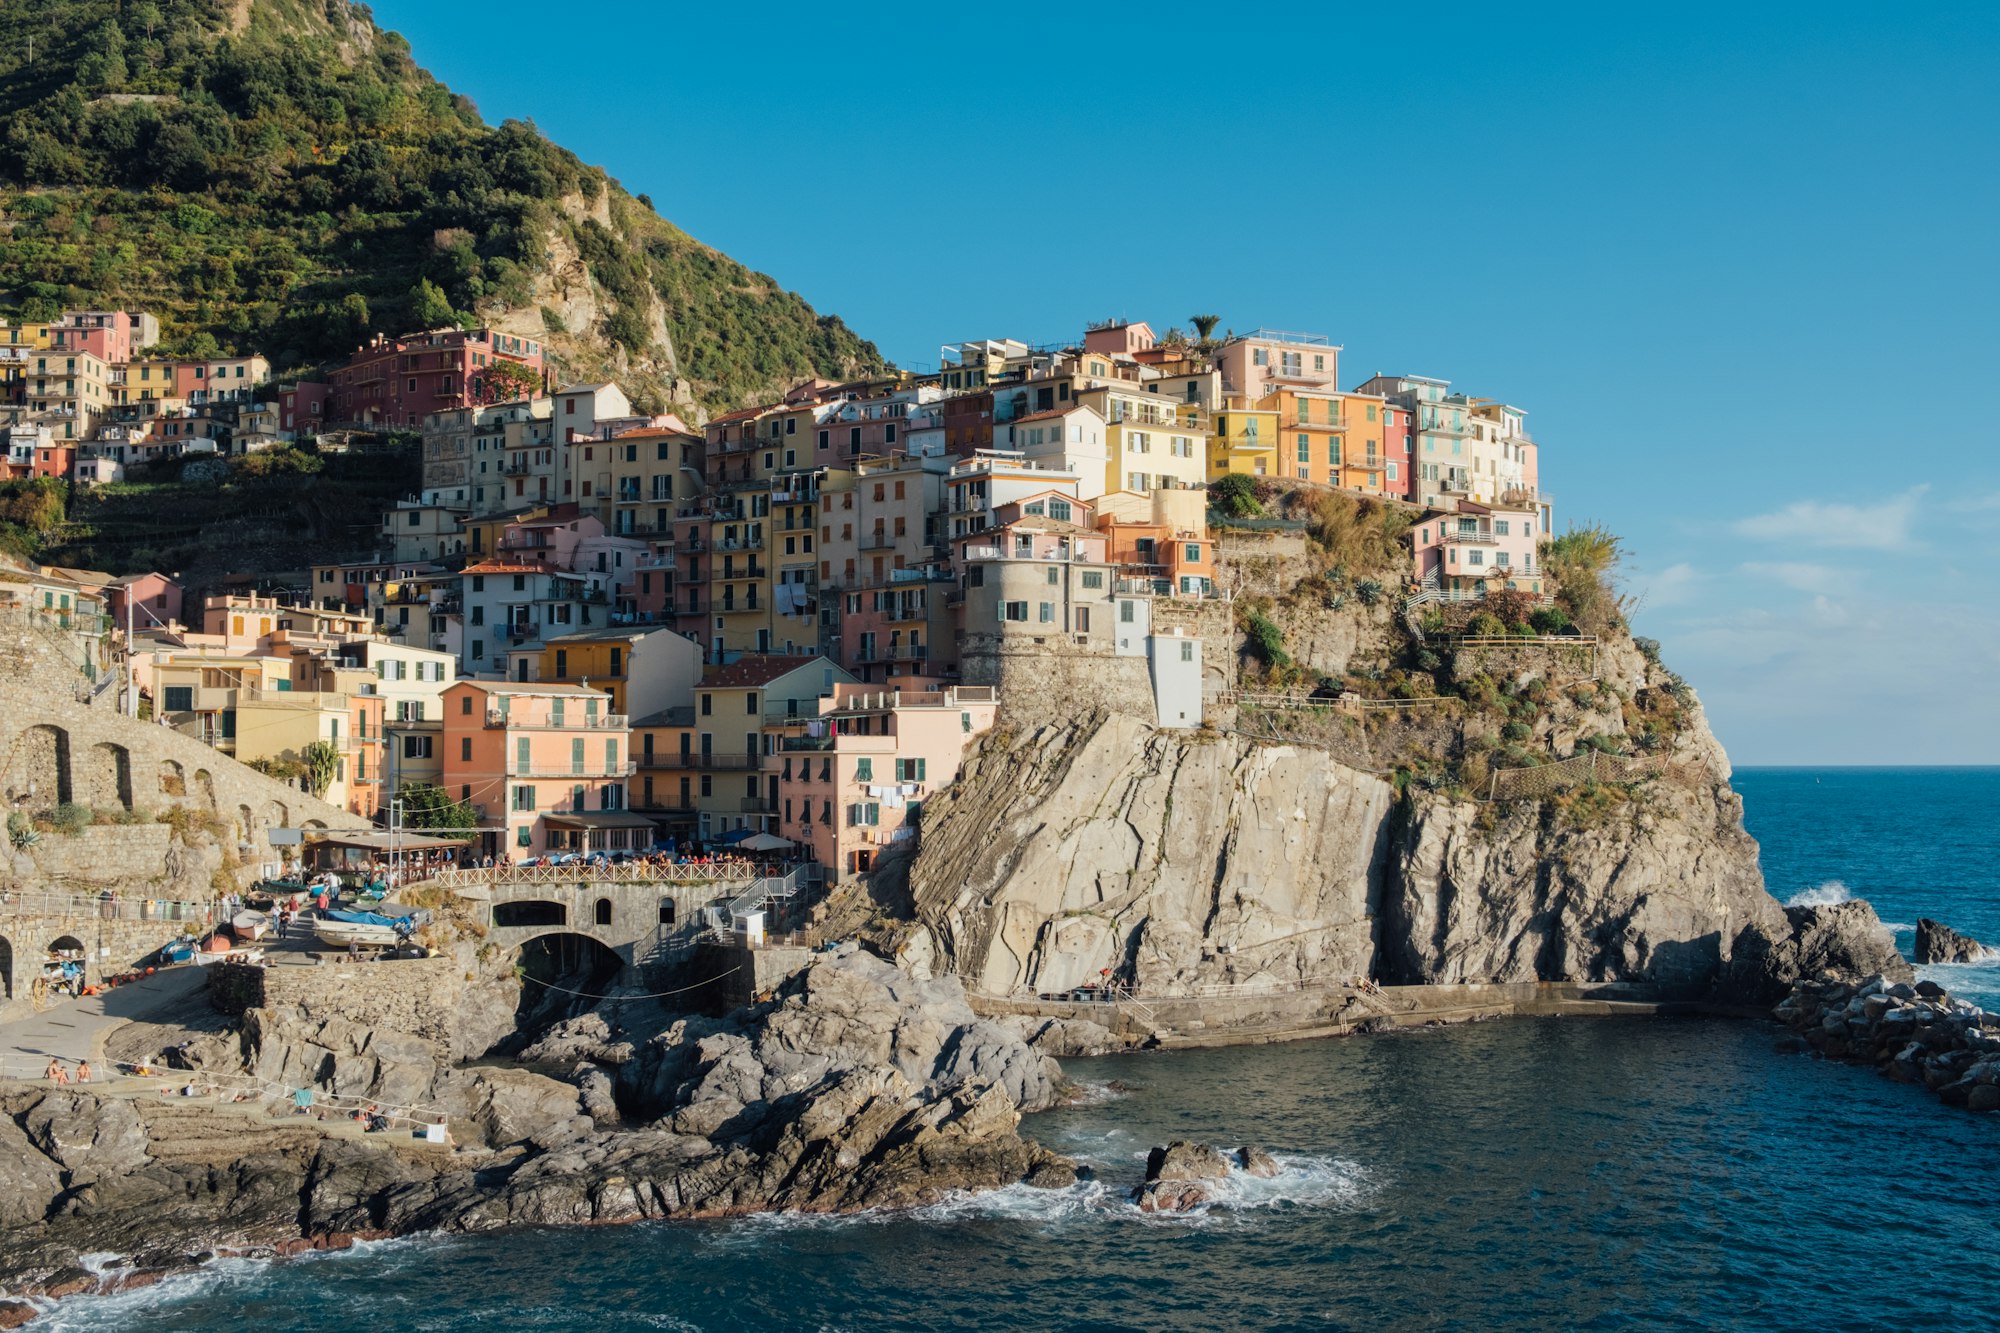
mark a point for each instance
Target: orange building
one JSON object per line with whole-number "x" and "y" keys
{"x": 544, "y": 766}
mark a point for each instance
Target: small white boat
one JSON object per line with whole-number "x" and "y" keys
{"x": 366, "y": 930}
{"x": 249, "y": 925}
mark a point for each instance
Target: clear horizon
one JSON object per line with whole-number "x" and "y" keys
{"x": 1736, "y": 265}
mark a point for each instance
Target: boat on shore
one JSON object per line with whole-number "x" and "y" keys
{"x": 249, "y": 925}
{"x": 366, "y": 930}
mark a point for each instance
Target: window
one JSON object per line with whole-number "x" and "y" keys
{"x": 524, "y": 797}
{"x": 576, "y": 755}
{"x": 1092, "y": 578}
{"x": 465, "y": 749}
{"x": 522, "y": 753}
{"x": 1500, "y": 527}
{"x": 1138, "y": 481}
{"x": 1054, "y": 577}
{"x": 1127, "y": 612}
{"x": 1014, "y": 611}
{"x": 1046, "y": 612}
{"x": 1059, "y": 510}
{"x": 750, "y": 702}
{"x": 1187, "y": 651}
{"x": 864, "y": 770}
{"x": 416, "y": 747}
{"x": 180, "y": 698}
{"x": 707, "y": 705}
{"x": 465, "y": 706}
{"x": 865, "y": 813}
{"x": 1305, "y": 448}
{"x": 909, "y": 770}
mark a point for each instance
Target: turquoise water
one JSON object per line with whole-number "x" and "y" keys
{"x": 1550, "y": 1174}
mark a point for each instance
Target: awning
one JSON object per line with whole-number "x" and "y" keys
{"x": 381, "y": 842}
{"x": 602, "y": 819}
{"x": 766, "y": 842}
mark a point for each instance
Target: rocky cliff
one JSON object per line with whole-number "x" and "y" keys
{"x": 856, "y": 1088}
{"x": 1094, "y": 846}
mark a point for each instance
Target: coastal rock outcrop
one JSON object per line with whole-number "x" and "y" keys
{"x": 858, "y": 1087}
{"x": 1910, "y": 1033}
{"x": 1939, "y": 943}
{"x": 1177, "y": 1176}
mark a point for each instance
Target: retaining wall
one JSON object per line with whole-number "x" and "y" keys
{"x": 413, "y": 996}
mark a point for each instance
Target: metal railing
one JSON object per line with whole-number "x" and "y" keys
{"x": 106, "y": 909}
{"x": 625, "y": 769}
{"x": 633, "y": 872}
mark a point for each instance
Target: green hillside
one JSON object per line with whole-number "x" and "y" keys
{"x": 280, "y": 175}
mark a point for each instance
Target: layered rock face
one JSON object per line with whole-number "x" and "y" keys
{"x": 860, "y": 1088}
{"x": 1178, "y": 859}
{"x": 1096, "y": 847}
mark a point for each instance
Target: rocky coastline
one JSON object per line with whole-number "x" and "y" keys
{"x": 1909, "y": 1031}
{"x": 859, "y": 1088}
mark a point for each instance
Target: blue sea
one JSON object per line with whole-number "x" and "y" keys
{"x": 1546, "y": 1174}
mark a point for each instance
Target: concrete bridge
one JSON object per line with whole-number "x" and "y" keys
{"x": 651, "y": 917}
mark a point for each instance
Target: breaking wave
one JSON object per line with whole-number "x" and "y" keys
{"x": 1821, "y": 895}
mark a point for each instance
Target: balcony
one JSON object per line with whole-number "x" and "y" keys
{"x": 711, "y": 762}
{"x": 879, "y": 541}
{"x": 587, "y": 772}
{"x": 730, "y": 574}
{"x": 750, "y": 608}
{"x": 1460, "y": 537}
{"x": 602, "y": 722}
{"x": 755, "y": 805}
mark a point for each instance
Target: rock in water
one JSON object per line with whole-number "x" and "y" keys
{"x": 1174, "y": 1176}
{"x": 1182, "y": 1160}
{"x": 1983, "y": 1097}
{"x": 1257, "y": 1162}
{"x": 1939, "y": 943}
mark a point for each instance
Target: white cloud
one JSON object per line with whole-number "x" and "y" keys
{"x": 1799, "y": 574}
{"x": 1880, "y": 527}
{"x": 1673, "y": 586}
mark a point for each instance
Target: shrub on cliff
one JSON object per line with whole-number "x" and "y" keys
{"x": 1358, "y": 533}
{"x": 1582, "y": 563}
{"x": 1266, "y": 640}
{"x": 1235, "y": 496}
{"x": 72, "y": 818}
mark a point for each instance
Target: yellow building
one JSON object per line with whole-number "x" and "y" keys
{"x": 1150, "y": 442}
{"x": 272, "y": 708}
{"x": 16, "y": 342}
{"x": 72, "y": 386}
{"x": 1245, "y": 440}
{"x": 644, "y": 668}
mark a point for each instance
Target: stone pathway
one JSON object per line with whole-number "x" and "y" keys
{"x": 76, "y": 1030}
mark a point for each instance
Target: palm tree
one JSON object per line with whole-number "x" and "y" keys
{"x": 1204, "y": 325}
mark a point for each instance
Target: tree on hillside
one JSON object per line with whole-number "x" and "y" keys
{"x": 429, "y": 308}
{"x": 504, "y": 381}
{"x": 427, "y": 806}
{"x": 1204, "y": 326}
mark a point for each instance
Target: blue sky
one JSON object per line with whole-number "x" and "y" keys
{"x": 1737, "y": 262}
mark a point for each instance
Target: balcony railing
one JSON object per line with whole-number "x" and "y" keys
{"x": 566, "y": 722}
{"x": 736, "y": 762}
{"x": 621, "y": 770}
{"x": 1456, "y": 537}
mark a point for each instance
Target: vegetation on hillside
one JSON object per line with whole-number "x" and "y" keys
{"x": 281, "y": 176}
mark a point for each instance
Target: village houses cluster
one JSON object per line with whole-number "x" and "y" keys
{"x": 599, "y": 629}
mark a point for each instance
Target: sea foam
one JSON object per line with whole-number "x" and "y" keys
{"x": 1821, "y": 895}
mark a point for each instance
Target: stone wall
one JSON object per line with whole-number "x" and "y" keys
{"x": 54, "y": 748}
{"x": 412, "y": 997}
{"x": 110, "y": 946}
{"x": 1029, "y": 673}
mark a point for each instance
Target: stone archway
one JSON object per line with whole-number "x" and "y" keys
{"x": 562, "y": 973}
{"x": 276, "y": 815}
{"x": 6, "y": 968}
{"x": 41, "y": 767}
{"x": 529, "y": 912}
{"x": 107, "y": 776}
{"x": 173, "y": 779}
{"x": 248, "y": 823}
{"x": 204, "y": 790}
{"x": 602, "y": 913}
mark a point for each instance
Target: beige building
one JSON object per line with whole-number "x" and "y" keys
{"x": 71, "y": 388}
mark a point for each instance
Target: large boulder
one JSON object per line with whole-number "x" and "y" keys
{"x": 29, "y": 1180}
{"x": 1176, "y": 1176}
{"x": 1939, "y": 943}
{"x": 1844, "y": 940}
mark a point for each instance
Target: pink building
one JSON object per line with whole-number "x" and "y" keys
{"x": 859, "y": 786}
{"x": 1477, "y": 550}
{"x": 111, "y": 336}
{"x": 545, "y": 765}
{"x": 400, "y": 381}
{"x": 302, "y": 408}
{"x": 1396, "y": 448}
{"x": 1255, "y": 363}
{"x": 153, "y": 599}
{"x": 1118, "y": 338}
